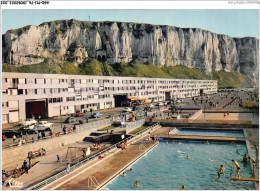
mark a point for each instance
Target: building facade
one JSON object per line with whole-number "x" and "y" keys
{"x": 47, "y": 95}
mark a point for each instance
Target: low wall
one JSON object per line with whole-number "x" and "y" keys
{"x": 219, "y": 125}
{"x": 15, "y": 154}
{"x": 244, "y": 122}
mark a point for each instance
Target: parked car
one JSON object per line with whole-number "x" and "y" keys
{"x": 159, "y": 104}
{"x": 28, "y": 122}
{"x": 28, "y": 131}
{"x": 96, "y": 115}
{"x": 79, "y": 115}
{"x": 41, "y": 128}
{"x": 28, "y": 126}
{"x": 135, "y": 108}
{"x": 150, "y": 105}
{"x": 70, "y": 120}
{"x": 127, "y": 109}
{"x": 3, "y": 137}
{"x": 46, "y": 123}
{"x": 11, "y": 133}
{"x": 170, "y": 102}
{"x": 179, "y": 101}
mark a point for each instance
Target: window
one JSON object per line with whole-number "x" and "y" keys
{"x": 70, "y": 99}
{"x": 20, "y": 91}
{"x": 4, "y": 104}
{"x": 30, "y": 81}
{"x": 55, "y": 100}
{"x": 41, "y": 91}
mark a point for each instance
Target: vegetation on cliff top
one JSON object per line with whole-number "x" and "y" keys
{"x": 134, "y": 69}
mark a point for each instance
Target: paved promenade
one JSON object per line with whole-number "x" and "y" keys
{"x": 103, "y": 170}
{"x": 47, "y": 165}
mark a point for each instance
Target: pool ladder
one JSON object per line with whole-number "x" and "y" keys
{"x": 92, "y": 182}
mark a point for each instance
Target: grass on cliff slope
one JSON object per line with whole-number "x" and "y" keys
{"x": 232, "y": 79}
{"x": 135, "y": 69}
{"x": 46, "y": 68}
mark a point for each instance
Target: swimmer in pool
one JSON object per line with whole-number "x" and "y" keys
{"x": 136, "y": 184}
{"x": 210, "y": 159}
{"x": 182, "y": 152}
{"x": 123, "y": 174}
{"x": 207, "y": 142}
{"x": 187, "y": 157}
{"x": 130, "y": 169}
{"x": 183, "y": 187}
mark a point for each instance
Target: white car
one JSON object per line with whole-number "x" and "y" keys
{"x": 45, "y": 124}
{"x": 179, "y": 101}
{"x": 41, "y": 128}
{"x": 150, "y": 105}
{"x": 28, "y": 122}
{"x": 159, "y": 104}
{"x": 127, "y": 109}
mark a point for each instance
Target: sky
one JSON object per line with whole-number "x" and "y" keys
{"x": 235, "y": 23}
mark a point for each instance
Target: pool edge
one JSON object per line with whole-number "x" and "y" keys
{"x": 122, "y": 169}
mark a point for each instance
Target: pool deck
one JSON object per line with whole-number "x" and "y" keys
{"x": 204, "y": 138}
{"x": 102, "y": 170}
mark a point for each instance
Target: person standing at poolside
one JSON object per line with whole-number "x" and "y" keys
{"x": 58, "y": 158}
{"x": 244, "y": 158}
{"x": 14, "y": 138}
{"x": 235, "y": 163}
{"x": 68, "y": 168}
{"x": 220, "y": 171}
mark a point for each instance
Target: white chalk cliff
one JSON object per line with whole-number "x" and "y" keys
{"x": 75, "y": 41}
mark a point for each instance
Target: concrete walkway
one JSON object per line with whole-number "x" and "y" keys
{"x": 232, "y": 116}
{"x": 105, "y": 170}
{"x": 203, "y": 138}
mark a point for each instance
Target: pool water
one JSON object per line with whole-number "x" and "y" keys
{"x": 210, "y": 132}
{"x": 165, "y": 168}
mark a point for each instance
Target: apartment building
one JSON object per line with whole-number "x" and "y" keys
{"x": 47, "y": 95}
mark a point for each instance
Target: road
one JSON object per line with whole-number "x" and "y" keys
{"x": 221, "y": 98}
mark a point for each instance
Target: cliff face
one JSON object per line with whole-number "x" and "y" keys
{"x": 113, "y": 42}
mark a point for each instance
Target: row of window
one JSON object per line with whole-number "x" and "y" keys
{"x": 56, "y": 100}
{"x": 85, "y": 81}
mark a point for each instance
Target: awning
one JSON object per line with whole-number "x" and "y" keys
{"x": 132, "y": 98}
{"x": 146, "y": 101}
{"x": 142, "y": 98}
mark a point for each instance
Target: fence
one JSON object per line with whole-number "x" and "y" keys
{"x": 133, "y": 125}
{"x": 88, "y": 159}
{"x": 93, "y": 125}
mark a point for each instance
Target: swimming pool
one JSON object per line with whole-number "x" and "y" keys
{"x": 165, "y": 168}
{"x": 210, "y": 132}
